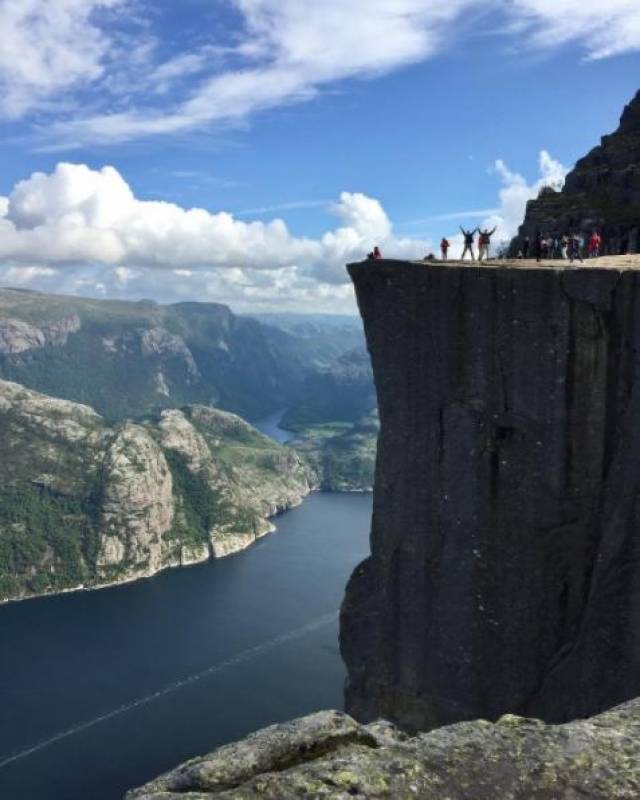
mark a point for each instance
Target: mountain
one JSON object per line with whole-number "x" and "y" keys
{"x": 343, "y": 391}
{"x": 128, "y": 359}
{"x": 601, "y": 193}
{"x": 335, "y": 421}
{"x": 342, "y": 455}
{"x": 85, "y": 504}
{"x": 325, "y": 336}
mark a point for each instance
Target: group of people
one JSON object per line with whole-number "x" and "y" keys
{"x": 572, "y": 247}
{"x": 569, "y": 248}
{"x": 484, "y": 244}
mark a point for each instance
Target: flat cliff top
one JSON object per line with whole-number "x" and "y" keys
{"x": 620, "y": 263}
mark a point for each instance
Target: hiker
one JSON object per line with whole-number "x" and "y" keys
{"x": 595, "y": 241}
{"x": 564, "y": 247}
{"x": 484, "y": 243}
{"x": 538, "y": 245}
{"x": 468, "y": 243}
{"x": 544, "y": 248}
{"x": 444, "y": 248}
{"x": 375, "y": 254}
{"x": 575, "y": 250}
{"x": 525, "y": 247}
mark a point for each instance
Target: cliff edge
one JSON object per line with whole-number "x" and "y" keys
{"x": 504, "y": 571}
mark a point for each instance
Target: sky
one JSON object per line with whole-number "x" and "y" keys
{"x": 242, "y": 151}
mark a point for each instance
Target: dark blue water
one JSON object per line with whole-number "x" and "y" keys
{"x": 120, "y": 684}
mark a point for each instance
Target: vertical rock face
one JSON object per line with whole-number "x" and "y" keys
{"x": 504, "y": 574}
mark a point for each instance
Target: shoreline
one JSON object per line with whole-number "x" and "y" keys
{"x": 271, "y": 527}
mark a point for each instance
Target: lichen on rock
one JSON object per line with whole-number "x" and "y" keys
{"x": 330, "y": 756}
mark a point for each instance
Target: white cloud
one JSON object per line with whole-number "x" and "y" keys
{"x": 76, "y": 215}
{"x": 48, "y": 47}
{"x": 286, "y": 51}
{"x": 601, "y": 29}
{"x": 26, "y": 275}
{"x": 83, "y": 231}
{"x": 514, "y": 195}
{"x": 291, "y": 50}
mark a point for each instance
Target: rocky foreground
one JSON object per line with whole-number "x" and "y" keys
{"x": 85, "y": 504}
{"x": 329, "y": 755}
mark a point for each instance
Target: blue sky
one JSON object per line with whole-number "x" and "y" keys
{"x": 304, "y": 132}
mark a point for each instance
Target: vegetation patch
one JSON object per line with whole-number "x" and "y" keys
{"x": 47, "y": 541}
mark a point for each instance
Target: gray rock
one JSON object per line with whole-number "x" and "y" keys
{"x": 504, "y": 570}
{"x": 329, "y": 755}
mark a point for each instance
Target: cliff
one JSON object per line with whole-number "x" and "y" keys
{"x": 328, "y": 755}
{"x": 602, "y": 192}
{"x": 504, "y": 569}
{"x": 83, "y": 504}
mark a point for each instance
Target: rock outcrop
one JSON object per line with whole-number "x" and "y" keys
{"x": 83, "y": 504}
{"x": 602, "y": 192}
{"x": 329, "y": 755}
{"x": 504, "y": 570}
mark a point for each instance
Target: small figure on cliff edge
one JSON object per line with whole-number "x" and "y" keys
{"x": 468, "y": 243}
{"x": 375, "y": 254}
{"x": 525, "y": 247}
{"x": 540, "y": 244}
{"x": 575, "y": 249}
{"x": 444, "y": 248}
{"x": 595, "y": 241}
{"x": 484, "y": 243}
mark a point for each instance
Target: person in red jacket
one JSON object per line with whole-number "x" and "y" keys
{"x": 375, "y": 254}
{"x": 595, "y": 242}
{"x": 444, "y": 248}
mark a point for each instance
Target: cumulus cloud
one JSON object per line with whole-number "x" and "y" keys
{"x": 513, "y": 195}
{"x": 79, "y": 216}
{"x": 83, "y": 231}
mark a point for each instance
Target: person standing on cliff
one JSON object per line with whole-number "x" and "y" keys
{"x": 575, "y": 249}
{"x": 468, "y": 243}
{"x": 525, "y": 247}
{"x": 595, "y": 241}
{"x": 444, "y": 248}
{"x": 539, "y": 245}
{"x": 484, "y": 243}
{"x": 375, "y": 254}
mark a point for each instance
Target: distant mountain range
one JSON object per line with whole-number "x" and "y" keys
{"x": 119, "y": 454}
{"x": 129, "y": 359}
